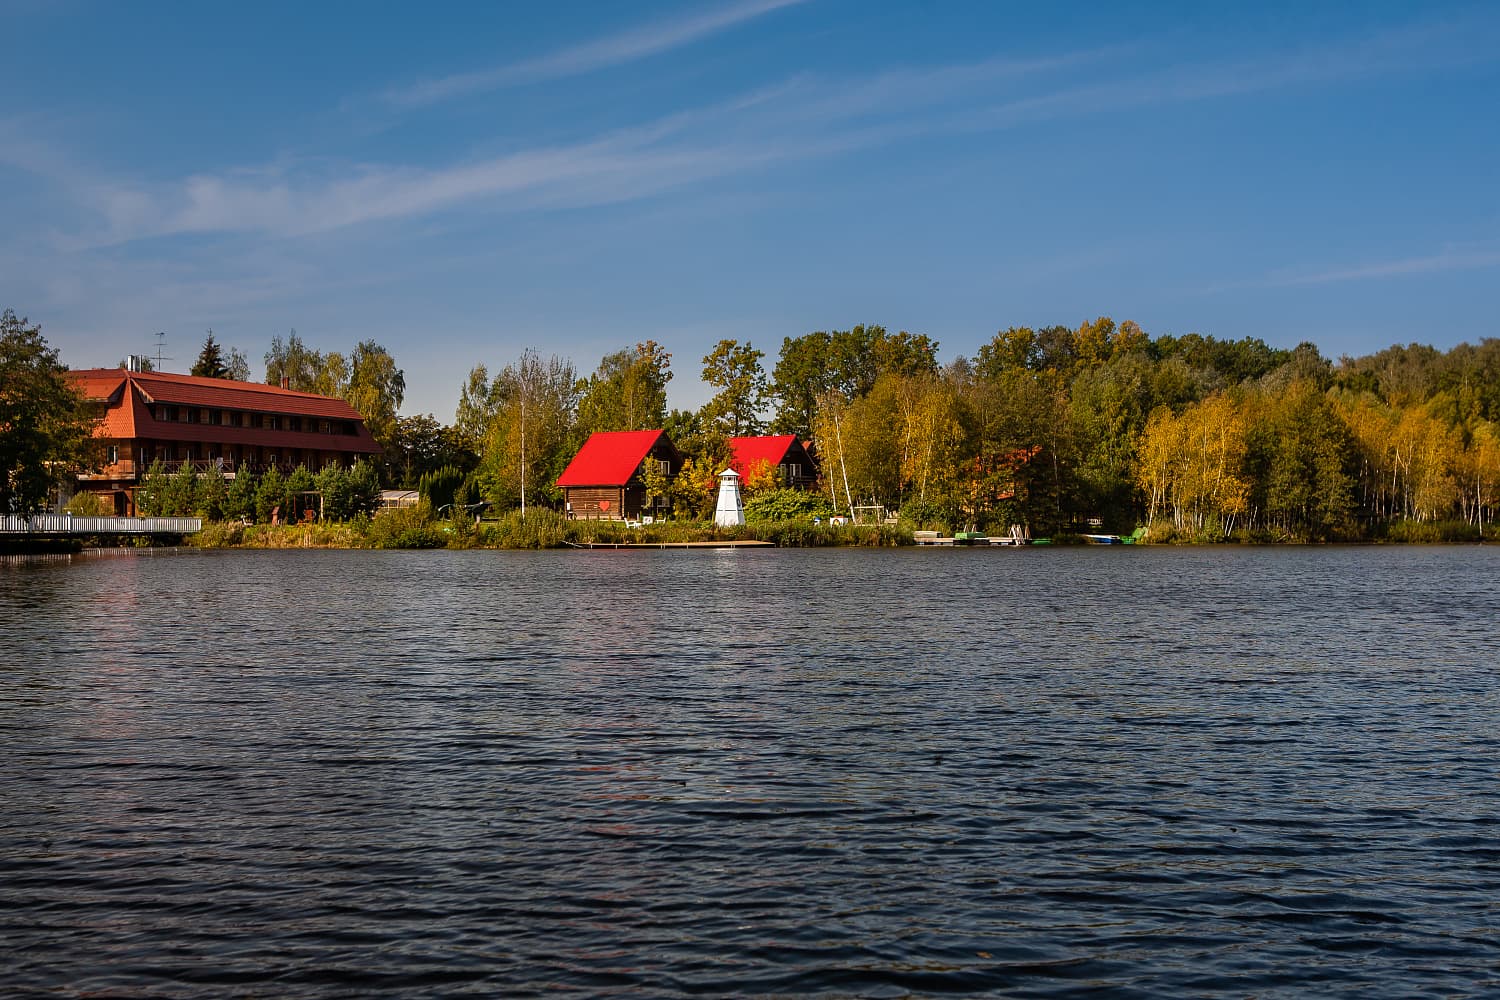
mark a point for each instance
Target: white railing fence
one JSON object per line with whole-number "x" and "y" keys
{"x": 67, "y": 524}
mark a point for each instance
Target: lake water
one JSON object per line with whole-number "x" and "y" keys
{"x": 1113, "y": 772}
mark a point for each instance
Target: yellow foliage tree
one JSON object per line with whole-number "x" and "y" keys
{"x": 761, "y": 477}
{"x": 1194, "y": 464}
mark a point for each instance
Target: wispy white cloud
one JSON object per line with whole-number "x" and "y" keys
{"x": 589, "y": 57}
{"x": 1447, "y": 260}
{"x": 1459, "y": 257}
{"x": 1412, "y": 48}
{"x": 800, "y": 119}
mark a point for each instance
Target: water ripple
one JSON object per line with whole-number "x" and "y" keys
{"x": 885, "y": 774}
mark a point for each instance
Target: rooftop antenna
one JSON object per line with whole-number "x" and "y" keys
{"x": 161, "y": 340}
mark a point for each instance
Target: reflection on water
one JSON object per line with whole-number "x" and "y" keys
{"x": 1139, "y": 772}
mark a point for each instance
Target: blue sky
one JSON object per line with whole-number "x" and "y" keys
{"x": 460, "y": 183}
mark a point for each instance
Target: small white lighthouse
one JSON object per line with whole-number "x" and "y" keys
{"x": 730, "y": 510}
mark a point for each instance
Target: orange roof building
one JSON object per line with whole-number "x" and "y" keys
{"x": 216, "y": 425}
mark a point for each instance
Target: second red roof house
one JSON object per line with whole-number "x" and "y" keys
{"x": 603, "y": 482}
{"x": 783, "y": 452}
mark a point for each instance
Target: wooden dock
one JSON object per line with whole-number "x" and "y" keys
{"x": 737, "y": 544}
{"x": 969, "y": 540}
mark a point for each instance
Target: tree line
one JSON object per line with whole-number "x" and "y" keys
{"x": 1056, "y": 428}
{"x": 1098, "y": 426}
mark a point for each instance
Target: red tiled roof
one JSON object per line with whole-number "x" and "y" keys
{"x": 214, "y": 393}
{"x": 750, "y": 450}
{"x": 128, "y": 397}
{"x": 609, "y": 458}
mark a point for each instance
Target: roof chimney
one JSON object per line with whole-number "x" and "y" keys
{"x": 286, "y": 381}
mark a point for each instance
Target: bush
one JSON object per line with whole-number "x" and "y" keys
{"x": 1431, "y": 532}
{"x": 787, "y": 505}
{"x": 406, "y": 528}
{"x": 924, "y": 514}
{"x": 219, "y": 535}
{"x": 87, "y": 504}
{"x": 540, "y": 529}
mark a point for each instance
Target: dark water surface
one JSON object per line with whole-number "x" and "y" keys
{"x": 1108, "y": 772}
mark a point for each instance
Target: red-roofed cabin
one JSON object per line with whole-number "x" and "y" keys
{"x": 782, "y": 452}
{"x": 213, "y": 425}
{"x": 603, "y": 482}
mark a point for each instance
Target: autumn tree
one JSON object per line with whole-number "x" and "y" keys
{"x": 527, "y": 444}
{"x": 1301, "y": 458}
{"x": 478, "y": 404}
{"x": 830, "y": 419}
{"x": 237, "y": 366}
{"x": 655, "y": 481}
{"x": 735, "y": 370}
{"x": 1220, "y": 364}
{"x": 46, "y": 424}
{"x": 1011, "y": 350}
{"x": 376, "y": 388}
{"x": 800, "y": 378}
{"x": 419, "y": 445}
{"x": 293, "y": 361}
{"x": 628, "y": 392}
{"x": 760, "y": 478}
{"x": 1193, "y": 465}
{"x": 1108, "y": 406}
{"x": 694, "y": 489}
{"x": 846, "y": 363}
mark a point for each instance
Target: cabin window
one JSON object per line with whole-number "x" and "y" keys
{"x": 114, "y": 454}
{"x": 791, "y": 470}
